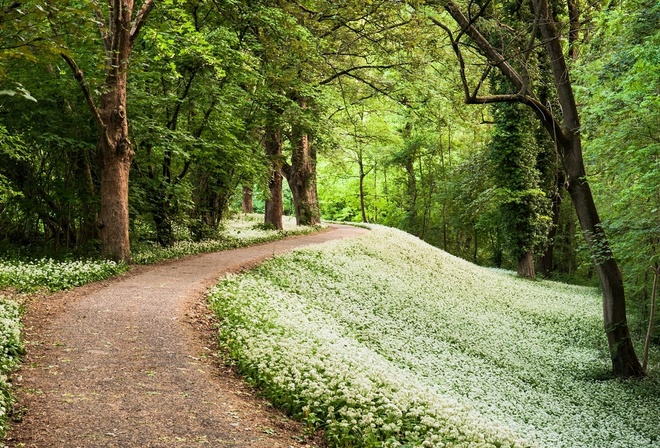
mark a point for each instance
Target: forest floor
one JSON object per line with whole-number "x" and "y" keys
{"x": 133, "y": 362}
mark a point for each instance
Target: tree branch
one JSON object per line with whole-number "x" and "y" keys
{"x": 559, "y": 68}
{"x": 80, "y": 77}
{"x": 459, "y": 56}
{"x": 103, "y": 26}
{"x": 140, "y": 20}
{"x": 497, "y": 59}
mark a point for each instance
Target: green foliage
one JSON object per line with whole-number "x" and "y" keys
{"x": 523, "y": 207}
{"x": 619, "y": 85}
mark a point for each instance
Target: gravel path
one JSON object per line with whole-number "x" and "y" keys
{"x": 130, "y": 363}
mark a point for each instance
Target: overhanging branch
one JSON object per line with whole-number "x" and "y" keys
{"x": 80, "y": 77}
{"x": 348, "y": 71}
{"x": 140, "y": 20}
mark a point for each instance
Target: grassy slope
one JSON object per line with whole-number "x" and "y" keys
{"x": 487, "y": 357}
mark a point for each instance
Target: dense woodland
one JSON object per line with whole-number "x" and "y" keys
{"x": 515, "y": 134}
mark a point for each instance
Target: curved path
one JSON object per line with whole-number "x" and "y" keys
{"x": 122, "y": 366}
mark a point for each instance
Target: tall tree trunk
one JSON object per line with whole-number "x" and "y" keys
{"x": 411, "y": 194}
{"x": 274, "y": 204}
{"x": 301, "y": 176}
{"x": 115, "y": 148}
{"x": 526, "y": 265}
{"x": 247, "y": 203}
{"x": 113, "y": 216}
{"x": 363, "y": 207}
{"x": 162, "y": 215}
{"x": 624, "y": 359}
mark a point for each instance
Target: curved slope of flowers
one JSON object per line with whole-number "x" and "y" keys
{"x": 386, "y": 341}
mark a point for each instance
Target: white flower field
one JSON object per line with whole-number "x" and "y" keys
{"x": 386, "y": 341}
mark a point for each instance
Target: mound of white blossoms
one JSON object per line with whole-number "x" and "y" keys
{"x": 386, "y": 341}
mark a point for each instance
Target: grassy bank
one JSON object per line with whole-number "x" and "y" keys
{"x": 386, "y": 341}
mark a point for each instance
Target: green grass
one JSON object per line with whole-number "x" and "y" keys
{"x": 386, "y": 341}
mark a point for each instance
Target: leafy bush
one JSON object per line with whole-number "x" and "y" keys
{"x": 386, "y": 341}
{"x": 11, "y": 349}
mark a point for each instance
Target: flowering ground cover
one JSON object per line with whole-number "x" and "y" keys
{"x": 386, "y": 341}
{"x": 55, "y": 275}
{"x": 240, "y": 232}
{"x": 10, "y": 350}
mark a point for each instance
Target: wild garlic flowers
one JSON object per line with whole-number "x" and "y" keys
{"x": 383, "y": 346}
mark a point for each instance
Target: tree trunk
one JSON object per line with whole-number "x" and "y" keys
{"x": 526, "y": 265}
{"x": 162, "y": 215}
{"x": 274, "y": 205}
{"x": 547, "y": 263}
{"x": 301, "y": 176}
{"x": 116, "y": 154}
{"x": 624, "y": 360}
{"x": 363, "y": 208}
{"x": 649, "y": 331}
{"x": 247, "y": 203}
{"x": 411, "y": 194}
{"x": 114, "y": 146}
{"x": 567, "y": 137}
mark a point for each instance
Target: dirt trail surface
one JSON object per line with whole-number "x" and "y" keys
{"x": 129, "y": 363}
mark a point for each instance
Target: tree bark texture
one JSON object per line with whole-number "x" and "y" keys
{"x": 247, "y": 204}
{"x": 301, "y": 176}
{"x": 526, "y": 265}
{"x": 624, "y": 360}
{"x": 115, "y": 148}
{"x": 274, "y": 204}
